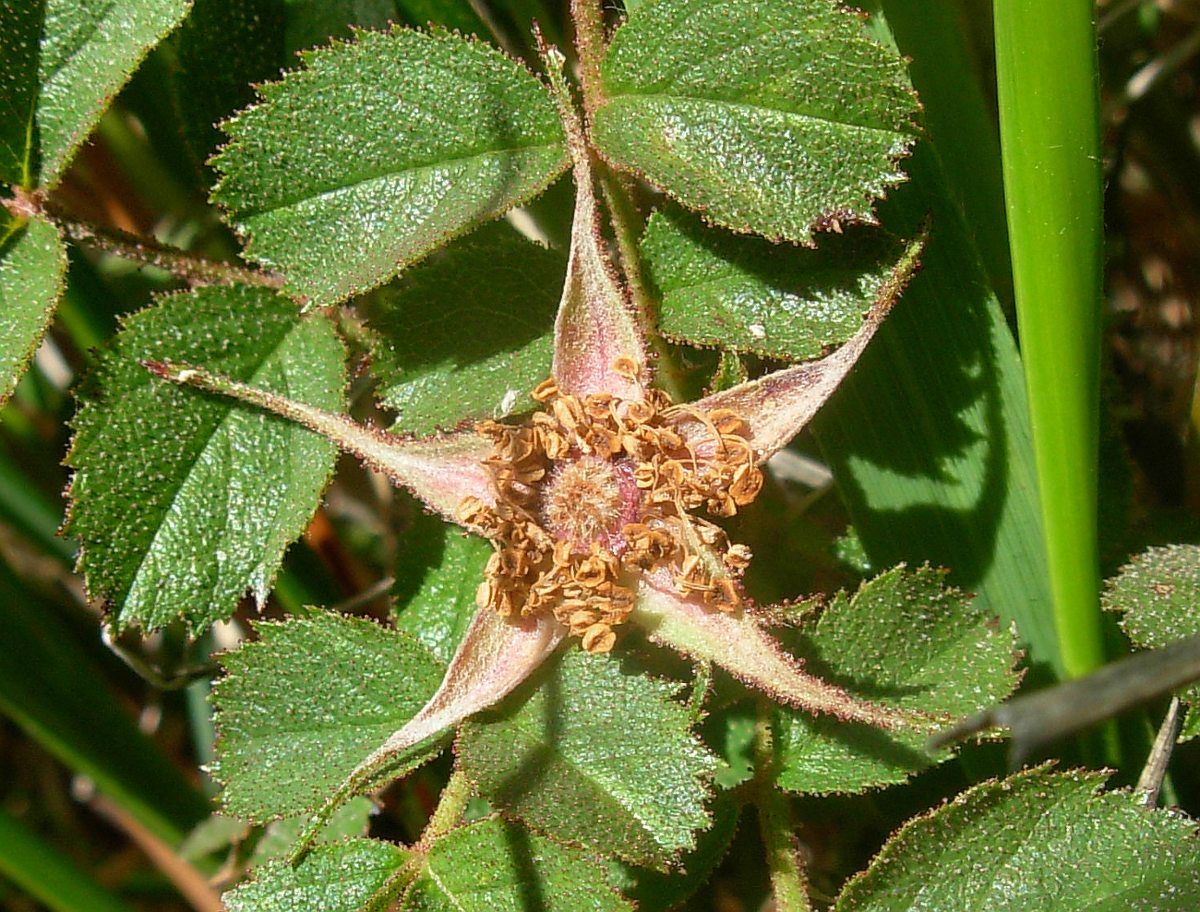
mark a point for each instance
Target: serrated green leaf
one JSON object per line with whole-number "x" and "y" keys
{"x": 596, "y": 754}
{"x": 33, "y": 267}
{"x": 468, "y": 334}
{"x": 299, "y": 708}
{"x": 1158, "y": 593}
{"x": 1037, "y": 840}
{"x": 439, "y": 569}
{"x": 61, "y": 62}
{"x": 443, "y": 134}
{"x": 750, "y": 295}
{"x": 731, "y": 733}
{"x": 659, "y": 891}
{"x": 770, "y": 116}
{"x": 225, "y": 48}
{"x": 494, "y": 866}
{"x": 350, "y": 877}
{"x": 185, "y": 501}
{"x": 903, "y": 641}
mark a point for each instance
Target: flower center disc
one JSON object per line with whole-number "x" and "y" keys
{"x": 581, "y": 501}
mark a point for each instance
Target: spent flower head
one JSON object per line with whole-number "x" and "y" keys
{"x": 599, "y": 505}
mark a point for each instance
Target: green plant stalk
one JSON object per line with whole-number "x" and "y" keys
{"x": 47, "y": 875}
{"x": 1046, "y": 74}
{"x": 449, "y": 811}
{"x": 788, "y": 881}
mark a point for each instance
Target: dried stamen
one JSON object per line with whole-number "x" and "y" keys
{"x": 595, "y": 489}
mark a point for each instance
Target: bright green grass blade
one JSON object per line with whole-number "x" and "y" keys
{"x": 42, "y": 871}
{"x": 1049, "y": 129}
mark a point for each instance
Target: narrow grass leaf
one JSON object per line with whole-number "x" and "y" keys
{"x": 905, "y": 641}
{"x": 1048, "y": 96}
{"x": 928, "y": 437}
{"x": 184, "y": 501}
{"x": 444, "y": 134}
{"x": 302, "y": 706}
{"x": 33, "y": 268}
{"x": 1037, "y": 840}
{"x": 595, "y": 754}
{"x": 467, "y": 334}
{"x": 42, "y": 872}
{"x": 777, "y": 117}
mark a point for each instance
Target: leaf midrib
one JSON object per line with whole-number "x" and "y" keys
{"x": 245, "y": 214}
{"x": 752, "y": 107}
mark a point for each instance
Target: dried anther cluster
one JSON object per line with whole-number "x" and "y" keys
{"x": 596, "y": 489}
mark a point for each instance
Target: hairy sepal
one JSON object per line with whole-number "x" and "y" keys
{"x": 441, "y": 470}
{"x": 779, "y": 405}
{"x": 494, "y": 657}
{"x": 738, "y": 643}
{"x": 596, "y": 326}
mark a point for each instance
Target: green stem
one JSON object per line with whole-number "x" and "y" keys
{"x": 1046, "y": 74}
{"x": 788, "y": 883}
{"x": 187, "y": 266}
{"x": 588, "y": 16}
{"x": 450, "y": 808}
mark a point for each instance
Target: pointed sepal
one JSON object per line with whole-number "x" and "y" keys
{"x": 494, "y": 657}
{"x": 596, "y": 327}
{"x": 778, "y": 406}
{"x": 441, "y": 470}
{"x": 738, "y": 642}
